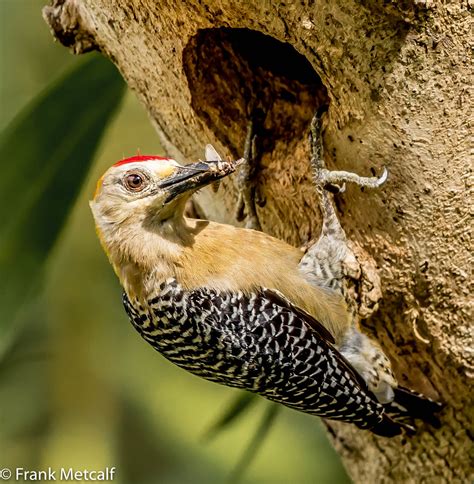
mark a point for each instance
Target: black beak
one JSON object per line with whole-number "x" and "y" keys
{"x": 197, "y": 175}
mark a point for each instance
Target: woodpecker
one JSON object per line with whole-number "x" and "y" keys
{"x": 237, "y": 306}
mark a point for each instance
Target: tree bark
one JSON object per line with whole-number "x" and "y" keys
{"x": 395, "y": 76}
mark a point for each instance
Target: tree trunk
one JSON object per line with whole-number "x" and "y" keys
{"x": 395, "y": 76}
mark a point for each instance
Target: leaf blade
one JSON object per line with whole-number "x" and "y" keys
{"x": 256, "y": 442}
{"x": 235, "y": 410}
{"x": 48, "y": 147}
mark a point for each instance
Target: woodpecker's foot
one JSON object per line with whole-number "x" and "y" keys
{"x": 248, "y": 196}
{"x": 334, "y": 181}
{"x": 371, "y": 363}
{"x": 323, "y": 262}
{"x": 333, "y": 261}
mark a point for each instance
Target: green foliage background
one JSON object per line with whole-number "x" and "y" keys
{"x": 78, "y": 387}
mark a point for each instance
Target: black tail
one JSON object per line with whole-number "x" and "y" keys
{"x": 388, "y": 428}
{"x": 410, "y": 404}
{"x": 407, "y": 406}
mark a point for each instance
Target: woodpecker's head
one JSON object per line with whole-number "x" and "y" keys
{"x": 143, "y": 193}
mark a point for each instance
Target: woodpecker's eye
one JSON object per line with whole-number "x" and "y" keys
{"x": 134, "y": 182}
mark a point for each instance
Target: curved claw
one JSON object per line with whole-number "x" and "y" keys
{"x": 383, "y": 177}
{"x": 333, "y": 188}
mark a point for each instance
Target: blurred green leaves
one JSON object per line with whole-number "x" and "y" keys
{"x": 264, "y": 427}
{"x": 239, "y": 405}
{"x": 45, "y": 154}
{"x": 235, "y": 410}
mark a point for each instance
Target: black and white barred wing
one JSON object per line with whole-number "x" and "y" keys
{"x": 259, "y": 342}
{"x": 272, "y": 348}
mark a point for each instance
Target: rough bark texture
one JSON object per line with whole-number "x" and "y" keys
{"x": 396, "y": 78}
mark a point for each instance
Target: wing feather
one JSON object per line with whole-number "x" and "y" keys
{"x": 324, "y": 335}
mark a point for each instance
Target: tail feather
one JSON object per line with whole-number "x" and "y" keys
{"x": 408, "y": 405}
{"x": 388, "y": 428}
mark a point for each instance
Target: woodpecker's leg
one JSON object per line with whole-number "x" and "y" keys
{"x": 331, "y": 259}
{"x": 331, "y": 262}
{"x": 246, "y": 182}
{"x": 323, "y": 262}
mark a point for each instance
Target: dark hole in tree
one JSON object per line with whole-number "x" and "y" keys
{"x": 237, "y": 73}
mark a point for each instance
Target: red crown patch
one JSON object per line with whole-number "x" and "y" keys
{"x": 139, "y": 158}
